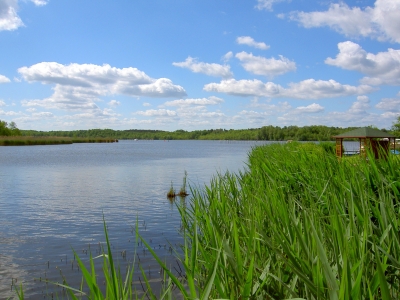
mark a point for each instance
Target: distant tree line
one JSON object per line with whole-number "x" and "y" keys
{"x": 266, "y": 133}
{"x": 9, "y": 129}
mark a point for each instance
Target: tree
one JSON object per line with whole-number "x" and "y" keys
{"x": 4, "y": 130}
{"x": 8, "y": 129}
{"x": 12, "y": 125}
{"x": 396, "y": 125}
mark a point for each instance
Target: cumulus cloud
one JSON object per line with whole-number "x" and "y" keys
{"x": 201, "y": 101}
{"x": 317, "y": 89}
{"x": 265, "y": 66}
{"x": 253, "y": 117}
{"x": 296, "y": 115}
{"x": 39, "y": 2}
{"x": 213, "y": 69}
{"x": 360, "y": 106}
{"x": 8, "y": 113}
{"x": 381, "y": 21}
{"x": 249, "y": 41}
{"x": 279, "y": 107}
{"x": 4, "y": 79}
{"x": 2, "y": 103}
{"x": 157, "y": 113}
{"x": 244, "y": 87}
{"x": 9, "y": 18}
{"x": 381, "y": 68}
{"x": 44, "y": 114}
{"x": 79, "y": 86}
{"x": 114, "y": 103}
{"x": 312, "y": 108}
{"x": 389, "y": 105}
{"x": 266, "y": 4}
{"x": 227, "y": 56}
{"x": 306, "y": 89}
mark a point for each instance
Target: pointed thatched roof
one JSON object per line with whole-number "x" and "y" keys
{"x": 364, "y": 132}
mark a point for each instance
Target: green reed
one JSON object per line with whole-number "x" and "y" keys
{"x": 299, "y": 224}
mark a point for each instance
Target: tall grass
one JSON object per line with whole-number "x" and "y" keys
{"x": 299, "y": 224}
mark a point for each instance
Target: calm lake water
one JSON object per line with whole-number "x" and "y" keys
{"x": 52, "y": 200}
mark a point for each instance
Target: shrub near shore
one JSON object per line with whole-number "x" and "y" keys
{"x": 298, "y": 224}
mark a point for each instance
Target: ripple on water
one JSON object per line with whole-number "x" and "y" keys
{"x": 52, "y": 200}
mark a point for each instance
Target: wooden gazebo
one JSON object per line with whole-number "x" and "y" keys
{"x": 374, "y": 140}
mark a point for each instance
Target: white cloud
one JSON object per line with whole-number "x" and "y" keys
{"x": 213, "y": 69}
{"x": 39, "y": 2}
{"x": 146, "y": 104}
{"x": 357, "y": 115}
{"x": 201, "y": 101}
{"x": 44, "y": 114}
{"x": 381, "y": 68}
{"x": 280, "y": 107}
{"x": 245, "y": 88}
{"x": 227, "y": 56}
{"x": 114, "y": 103}
{"x": 157, "y": 113}
{"x": 2, "y": 103}
{"x": 389, "y": 104}
{"x": 312, "y": 108}
{"x": 266, "y": 4}
{"x": 253, "y": 116}
{"x": 8, "y": 113}
{"x": 4, "y": 79}
{"x": 381, "y": 21}
{"x": 249, "y": 41}
{"x": 296, "y": 115}
{"x": 360, "y": 106}
{"x": 265, "y": 66}
{"x": 9, "y": 18}
{"x": 317, "y": 89}
{"x": 306, "y": 89}
{"x": 79, "y": 86}
{"x": 31, "y": 109}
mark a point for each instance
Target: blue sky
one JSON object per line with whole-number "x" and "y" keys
{"x": 186, "y": 64}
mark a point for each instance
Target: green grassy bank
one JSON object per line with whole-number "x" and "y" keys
{"x": 32, "y": 140}
{"x": 299, "y": 224}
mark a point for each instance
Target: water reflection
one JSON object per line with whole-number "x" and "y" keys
{"x": 52, "y": 199}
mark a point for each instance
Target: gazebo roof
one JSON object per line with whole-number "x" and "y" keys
{"x": 364, "y": 132}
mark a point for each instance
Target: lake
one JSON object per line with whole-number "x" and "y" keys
{"x": 52, "y": 200}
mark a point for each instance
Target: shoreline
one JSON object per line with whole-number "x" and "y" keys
{"x": 36, "y": 141}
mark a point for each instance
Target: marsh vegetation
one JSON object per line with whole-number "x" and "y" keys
{"x": 299, "y": 224}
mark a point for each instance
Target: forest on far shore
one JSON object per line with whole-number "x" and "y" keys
{"x": 266, "y": 133}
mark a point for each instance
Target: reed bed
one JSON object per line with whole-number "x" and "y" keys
{"x": 298, "y": 224}
{"x": 33, "y": 140}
